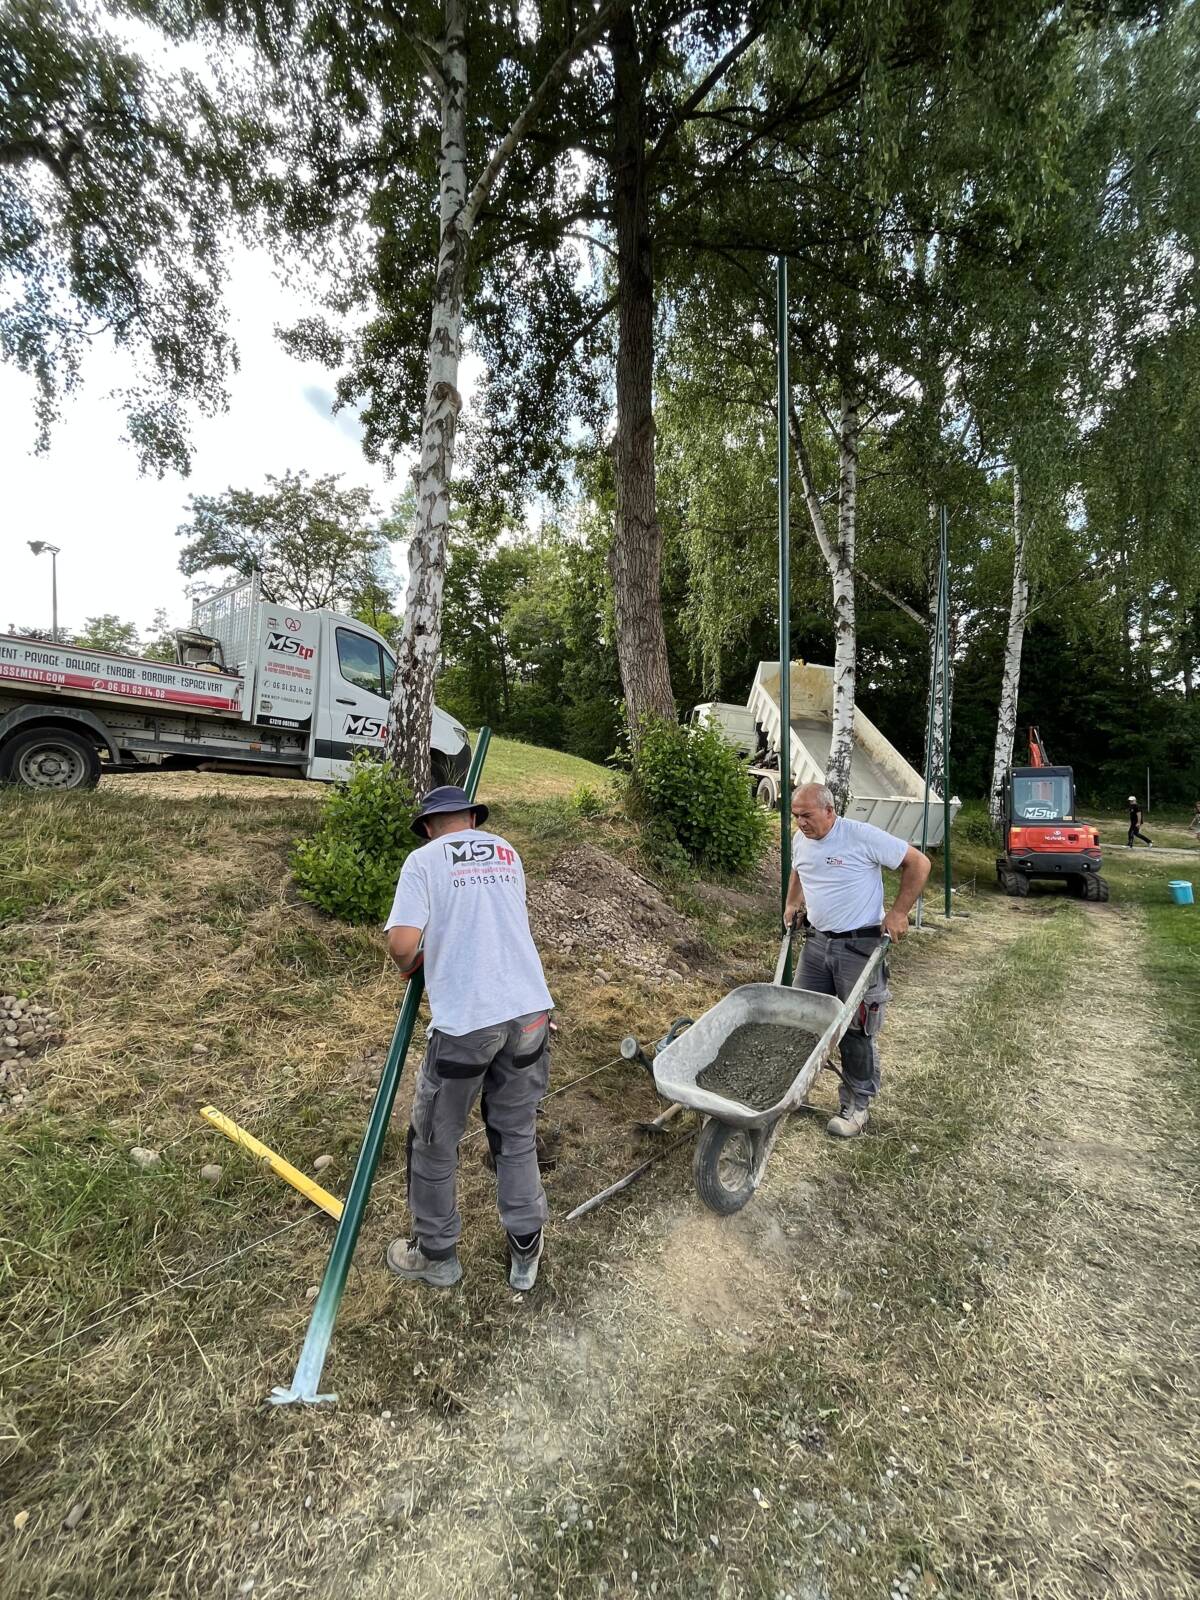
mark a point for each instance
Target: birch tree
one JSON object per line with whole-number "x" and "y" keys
{"x": 460, "y": 201}
{"x": 1010, "y": 682}
{"x": 838, "y": 553}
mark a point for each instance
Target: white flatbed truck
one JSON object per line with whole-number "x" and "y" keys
{"x": 256, "y": 688}
{"x": 884, "y": 788}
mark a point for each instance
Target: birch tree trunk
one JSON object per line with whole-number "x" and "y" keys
{"x": 635, "y": 560}
{"x": 839, "y": 558}
{"x": 411, "y": 711}
{"x": 845, "y": 629}
{"x": 1006, "y": 720}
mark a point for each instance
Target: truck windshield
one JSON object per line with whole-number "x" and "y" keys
{"x": 1041, "y": 798}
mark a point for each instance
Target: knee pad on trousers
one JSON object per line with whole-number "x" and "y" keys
{"x": 856, "y": 1055}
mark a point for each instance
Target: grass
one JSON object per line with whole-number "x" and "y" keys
{"x": 904, "y": 1345}
{"x": 1168, "y": 949}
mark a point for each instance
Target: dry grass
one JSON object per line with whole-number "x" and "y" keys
{"x": 961, "y": 1345}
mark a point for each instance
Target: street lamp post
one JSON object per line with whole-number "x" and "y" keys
{"x": 40, "y": 547}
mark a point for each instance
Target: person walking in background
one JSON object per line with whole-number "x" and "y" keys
{"x": 1136, "y": 818}
{"x": 1194, "y": 824}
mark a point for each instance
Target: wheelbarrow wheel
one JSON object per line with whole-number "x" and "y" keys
{"x": 723, "y": 1165}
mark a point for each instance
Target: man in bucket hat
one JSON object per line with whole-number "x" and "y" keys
{"x": 464, "y": 892}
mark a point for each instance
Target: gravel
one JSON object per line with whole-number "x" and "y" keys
{"x": 758, "y": 1063}
{"x": 27, "y": 1031}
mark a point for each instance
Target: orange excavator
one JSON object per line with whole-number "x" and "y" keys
{"x": 1042, "y": 838}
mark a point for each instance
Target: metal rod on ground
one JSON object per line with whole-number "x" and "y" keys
{"x": 933, "y": 672}
{"x": 623, "y": 1183}
{"x": 785, "y": 601}
{"x": 307, "y": 1380}
{"x": 945, "y": 587}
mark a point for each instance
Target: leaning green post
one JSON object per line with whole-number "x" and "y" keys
{"x": 785, "y": 602}
{"x": 945, "y": 586}
{"x": 324, "y": 1313}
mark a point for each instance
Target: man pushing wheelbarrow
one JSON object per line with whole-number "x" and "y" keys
{"x": 836, "y": 890}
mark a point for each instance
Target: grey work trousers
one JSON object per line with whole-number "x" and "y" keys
{"x": 506, "y": 1067}
{"x": 834, "y": 966}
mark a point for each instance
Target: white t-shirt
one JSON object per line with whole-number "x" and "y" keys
{"x": 840, "y": 876}
{"x": 466, "y": 891}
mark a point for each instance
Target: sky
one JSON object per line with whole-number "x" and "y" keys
{"x": 115, "y": 528}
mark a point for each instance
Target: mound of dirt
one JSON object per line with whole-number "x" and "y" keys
{"x": 589, "y": 903}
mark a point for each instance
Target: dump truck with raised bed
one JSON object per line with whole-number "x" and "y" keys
{"x": 884, "y": 788}
{"x": 255, "y": 687}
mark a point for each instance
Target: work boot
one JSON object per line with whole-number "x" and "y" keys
{"x": 523, "y": 1257}
{"x": 849, "y": 1122}
{"x": 407, "y": 1260}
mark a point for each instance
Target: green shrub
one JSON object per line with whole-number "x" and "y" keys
{"x": 350, "y": 865}
{"x": 974, "y": 824}
{"x": 687, "y": 780}
{"x": 591, "y": 803}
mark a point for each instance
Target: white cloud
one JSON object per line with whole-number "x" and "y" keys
{"x": 116, "y": 530}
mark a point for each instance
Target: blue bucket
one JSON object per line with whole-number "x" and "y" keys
{"x": 1181, "y": 892}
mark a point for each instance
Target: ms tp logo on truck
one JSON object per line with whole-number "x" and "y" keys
{"x": 364, "y": 727}
{"x": 289, "y": 647}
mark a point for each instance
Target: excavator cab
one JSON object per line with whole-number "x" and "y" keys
{"x": 1042, "y": 836}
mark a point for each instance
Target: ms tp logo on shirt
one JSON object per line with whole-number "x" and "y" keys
{"x": 475, "y": 852}
{"x": 834, "y": 861}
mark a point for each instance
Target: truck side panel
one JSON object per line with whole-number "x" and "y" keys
{"x": 37, "y": 668}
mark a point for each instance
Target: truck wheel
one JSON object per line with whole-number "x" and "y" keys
{"x": 1014, "y": 883}
{"x": 723, "y": 1165}
{"x": 767, "y": 795}
{"x": 51, "y": 758}
{"x": 1101, "y": 887}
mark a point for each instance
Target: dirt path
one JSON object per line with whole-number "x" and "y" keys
{"x": 1057, "y": 1404}
{"x": 1084, "y": 1460}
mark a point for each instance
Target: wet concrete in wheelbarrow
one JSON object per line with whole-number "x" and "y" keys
{"x": 758, "y": 1063}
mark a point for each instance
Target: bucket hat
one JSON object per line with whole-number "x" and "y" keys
{"x": 447, "y": 798}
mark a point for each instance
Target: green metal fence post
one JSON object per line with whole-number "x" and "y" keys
{"x": 324, "y": 1313}
{"x": 944, "y": 542}
{"x": 785, "y": 597}
{"x": 933, "y": 676}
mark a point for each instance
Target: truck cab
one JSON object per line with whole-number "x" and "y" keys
{"x": 357, "y": 669}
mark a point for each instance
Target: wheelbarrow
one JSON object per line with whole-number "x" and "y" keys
{"x": 736, "y": 1140}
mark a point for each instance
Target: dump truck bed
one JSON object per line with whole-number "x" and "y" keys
{"x": 884, "y": 788}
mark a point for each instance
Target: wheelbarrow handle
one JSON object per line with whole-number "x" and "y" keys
{"x": 785, "y": 950}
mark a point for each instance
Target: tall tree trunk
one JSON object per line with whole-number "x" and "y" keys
{"x": 411, "y": 712}
{"x": 839, "y": 559}
{"x": 845, "y": 626}
{"x": 636, "y": 557}
{"x": 1006, "y": 720}
{"x": 420, "y": 640}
